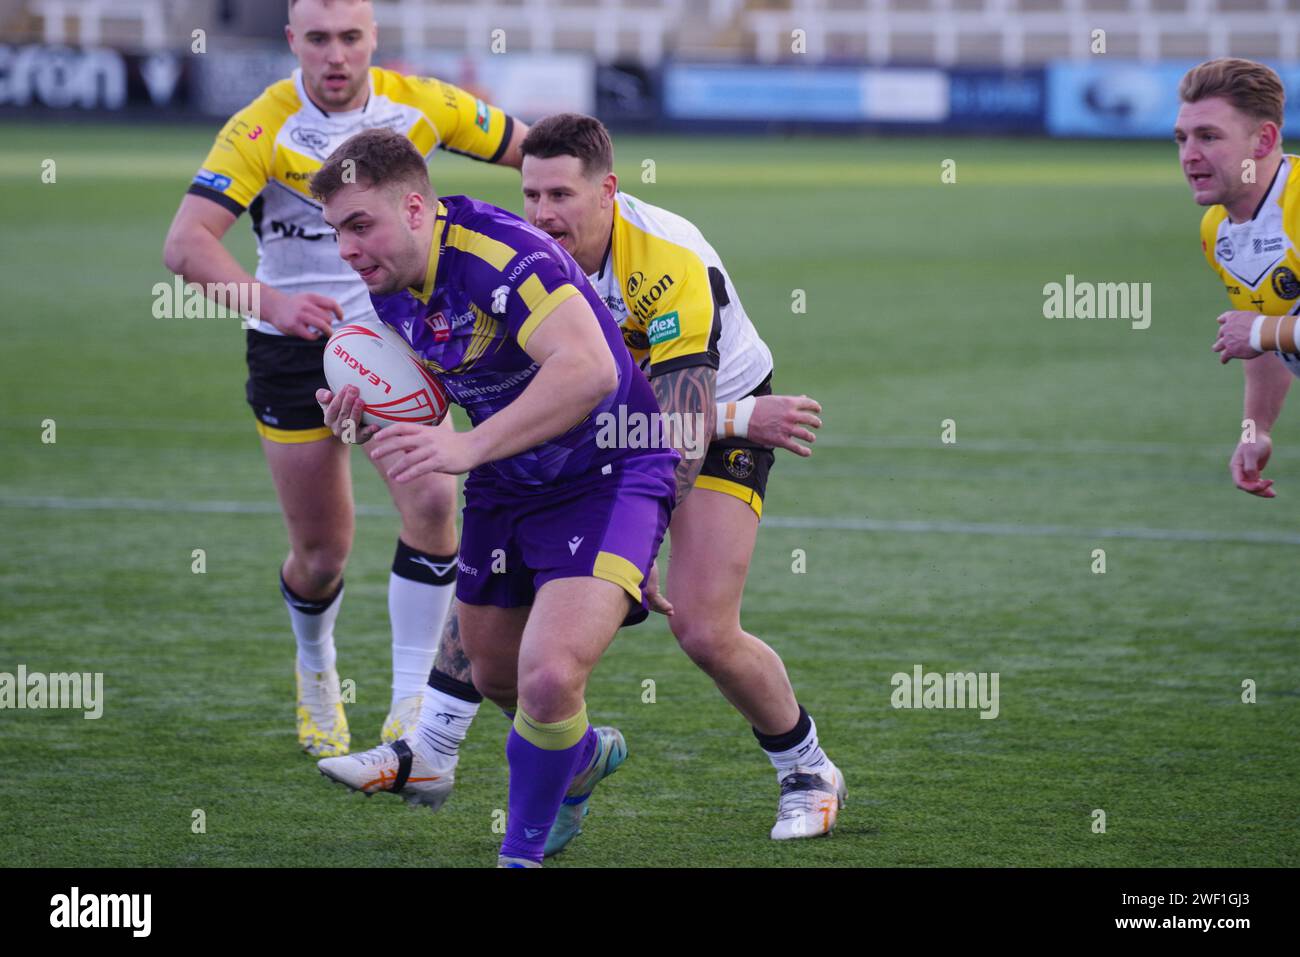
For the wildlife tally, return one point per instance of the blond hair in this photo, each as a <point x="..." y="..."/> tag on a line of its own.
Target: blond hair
<point x="1251" y="87"/>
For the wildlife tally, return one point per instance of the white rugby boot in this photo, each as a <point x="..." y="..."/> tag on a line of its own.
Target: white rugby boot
<point x="396" y="768"/>
<point x="810" y="803"/>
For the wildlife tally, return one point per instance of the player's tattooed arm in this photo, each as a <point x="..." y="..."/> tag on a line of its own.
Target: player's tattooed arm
<point x="686" y="398"/>
<point x="451" y="659"/>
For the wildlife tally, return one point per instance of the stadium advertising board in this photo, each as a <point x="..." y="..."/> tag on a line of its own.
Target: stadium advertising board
<point x="856" y="96"/>
<point x="1138" y="100"/>
<point x="45" y="77"/>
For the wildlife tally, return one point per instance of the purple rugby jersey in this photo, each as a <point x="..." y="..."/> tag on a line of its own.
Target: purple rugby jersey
<point x="492" y="280"/>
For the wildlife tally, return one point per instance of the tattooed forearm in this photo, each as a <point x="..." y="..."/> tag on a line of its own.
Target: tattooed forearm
<point x="451" y="659"/>
<point x="686" y="399"/>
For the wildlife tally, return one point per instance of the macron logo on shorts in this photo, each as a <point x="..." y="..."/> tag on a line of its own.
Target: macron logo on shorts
<point x="574" y="543"/>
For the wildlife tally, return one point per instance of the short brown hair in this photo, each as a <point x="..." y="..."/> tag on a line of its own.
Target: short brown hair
<point x="377" y="157"/>
<point x="1251" y="87"/>
<point x="572" y="134"/>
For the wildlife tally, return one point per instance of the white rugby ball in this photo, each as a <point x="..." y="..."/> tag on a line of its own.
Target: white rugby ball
<point x="394" y="384"/>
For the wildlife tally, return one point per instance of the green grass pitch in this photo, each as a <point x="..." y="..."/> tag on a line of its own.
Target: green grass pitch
<point x="1118" y="691"/>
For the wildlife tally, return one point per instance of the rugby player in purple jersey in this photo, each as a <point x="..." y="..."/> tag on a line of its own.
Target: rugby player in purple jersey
<point x="560" y="528"/>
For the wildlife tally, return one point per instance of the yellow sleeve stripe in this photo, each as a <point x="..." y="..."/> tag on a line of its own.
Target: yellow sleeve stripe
<point x="533" y="292"/>
<point x="540" y="308"/>
<point x="620" y="571"/>
<point x="492" y="251"/>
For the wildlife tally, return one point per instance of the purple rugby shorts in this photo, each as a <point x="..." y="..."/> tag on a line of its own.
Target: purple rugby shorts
<point x="607" y="525"/>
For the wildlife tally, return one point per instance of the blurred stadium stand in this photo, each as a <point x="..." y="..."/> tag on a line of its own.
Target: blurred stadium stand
<point x="1008" y="33"/>
<point x="964" y="66"/>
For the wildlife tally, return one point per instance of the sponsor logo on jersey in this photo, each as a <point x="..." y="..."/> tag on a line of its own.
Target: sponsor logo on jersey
<point x="646" y="298"/>
<point x="1223" y="249"/>
<point x="312" y="139"/>
<point x="664" y="328"/>
<point x="1272" y="244"/>
<point x="522" y="265"/>
<point x="739" y="462"/>
<point x="483" y="116"/>
<point x="1285" y="283"/>
<point x="212" y="180"/>
<point x="294" y="231"/>
<point x="440" y="326"/>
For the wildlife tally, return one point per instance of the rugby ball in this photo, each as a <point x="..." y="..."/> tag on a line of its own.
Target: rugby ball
<point x="394" y="384"/>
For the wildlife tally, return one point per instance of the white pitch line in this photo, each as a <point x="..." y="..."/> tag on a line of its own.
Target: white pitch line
<point x="830" y="524"/>
<point x="1065" y="447"/>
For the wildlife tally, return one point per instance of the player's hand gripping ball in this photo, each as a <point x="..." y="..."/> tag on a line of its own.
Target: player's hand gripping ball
<point x="392" y="383"/>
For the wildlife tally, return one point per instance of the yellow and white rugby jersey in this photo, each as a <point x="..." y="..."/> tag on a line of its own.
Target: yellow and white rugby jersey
<point x="268" y="152"/>
<point x="1258" y="260"/>
<point x="669" y="291"/>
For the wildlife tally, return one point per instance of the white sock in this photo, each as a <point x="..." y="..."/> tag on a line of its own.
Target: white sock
<point x="806" y="755"/>
<point x="313" y="626"/>
<point x="444" y="722"/>
<point x="420" y="590"/>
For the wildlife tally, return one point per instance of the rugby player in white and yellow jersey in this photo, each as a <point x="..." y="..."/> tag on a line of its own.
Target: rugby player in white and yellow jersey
<point x="1229" y="134"/>
<point x="261" y="163"/>
<point x="684" y="323"/>
<point x="685" y="326"/>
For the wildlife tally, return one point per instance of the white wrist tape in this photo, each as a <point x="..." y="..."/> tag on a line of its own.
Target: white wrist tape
<point x="1254" y="333"/>
<point x="733" y="419"/>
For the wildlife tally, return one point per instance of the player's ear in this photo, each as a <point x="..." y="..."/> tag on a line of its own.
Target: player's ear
<point x="607" y="190"/>
<point x="1269" y="137"/>
<point x="414" y="208"/>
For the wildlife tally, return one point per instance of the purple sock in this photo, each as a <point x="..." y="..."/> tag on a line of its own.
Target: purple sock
<point x="538" y="779"/>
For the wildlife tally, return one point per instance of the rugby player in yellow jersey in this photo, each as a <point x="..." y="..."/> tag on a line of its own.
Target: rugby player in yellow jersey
<point x="684" y="324"/>
<point x="1229" y="134"/>
<point x="262" y="162"/>
<point x="683" y="321"/>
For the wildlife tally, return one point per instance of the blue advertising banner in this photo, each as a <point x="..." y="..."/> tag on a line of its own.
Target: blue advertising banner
<point x="997" y="100"/>
<point x="1113" y="100"/>
<point x="824" y="94"/>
